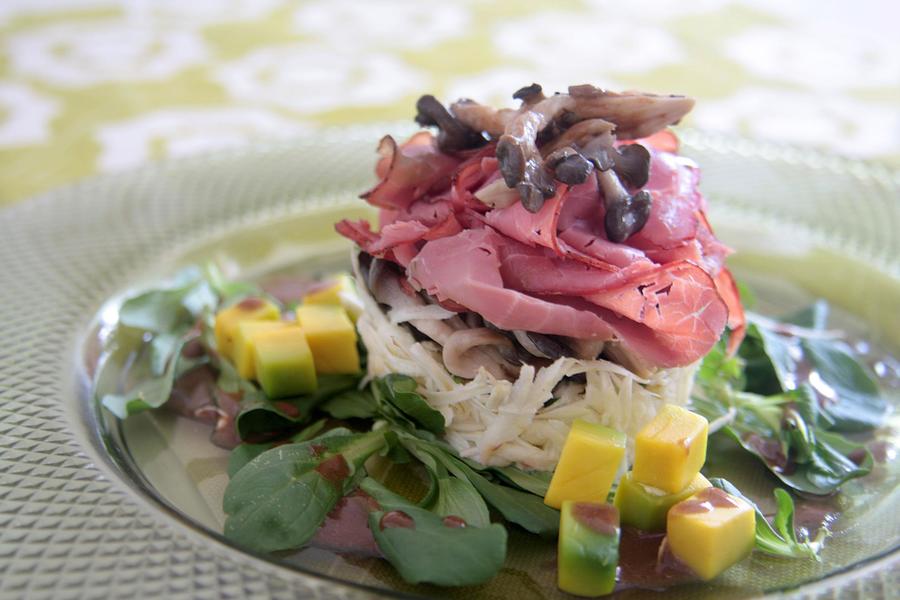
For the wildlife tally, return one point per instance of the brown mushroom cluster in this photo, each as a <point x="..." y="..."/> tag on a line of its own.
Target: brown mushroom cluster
<point x="565" y="138"/>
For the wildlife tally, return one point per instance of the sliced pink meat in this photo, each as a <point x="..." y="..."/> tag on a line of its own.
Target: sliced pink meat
<point x="664" y="293"/>
<point x="582" y="245"/>
<point x="399" y="232"/>
<point x="396" y="241"/>
<point x="737" y="321"/>
<point x="465" y="269"/>
<point x="676" y="199"/>
<point x="540" y="271"/>
<point x="410" y="171"/>
<point x="471" y="175"/>
<point x="533" y="229"/>
<point x="679" y="298"/>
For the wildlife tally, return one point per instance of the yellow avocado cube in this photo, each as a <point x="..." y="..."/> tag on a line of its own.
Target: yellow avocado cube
<point x="244" y="348"/>
<point x="646" y="507"/>
<point x="284" y="363"/>
<point x="670" y="450"/>
<point x="342" y="292"/>
<point x="331" y="336"/>
<point x="587" y="466"/>
<point x="252" y="309"/>
<point x="710" y="531"/>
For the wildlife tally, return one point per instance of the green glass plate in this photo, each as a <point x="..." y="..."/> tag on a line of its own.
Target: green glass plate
<point x="93" y="507"/>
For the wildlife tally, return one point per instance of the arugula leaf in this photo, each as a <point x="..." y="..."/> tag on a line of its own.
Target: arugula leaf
<point x="781" y="538"/>
<point x="399" y="402"/>
<point x="279" y="499"/>
<point x="429" y="551"/>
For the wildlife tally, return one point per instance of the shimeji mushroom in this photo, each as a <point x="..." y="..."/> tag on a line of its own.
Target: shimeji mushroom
<point x="564" y="137"/>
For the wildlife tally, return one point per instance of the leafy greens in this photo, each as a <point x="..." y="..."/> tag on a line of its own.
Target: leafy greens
<point x="788" y="397"/>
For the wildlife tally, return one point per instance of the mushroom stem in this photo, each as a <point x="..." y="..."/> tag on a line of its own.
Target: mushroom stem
<point x="479" y="117"/>
<point x="625" y="214"/>
<point x="612" y="189"/>
<point x="519" y="158"/>
<point x="453" y="135"/>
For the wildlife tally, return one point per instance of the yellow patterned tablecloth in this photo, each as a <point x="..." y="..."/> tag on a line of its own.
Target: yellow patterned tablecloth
<point x="90" y="86"/>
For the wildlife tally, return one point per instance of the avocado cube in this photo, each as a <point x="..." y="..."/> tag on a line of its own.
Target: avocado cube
<point x="249" y="309"/>
<point x="710" y="531"/>
<point x="645" y="507"/>
<point x="588" y="548"/>
<point x="284" y="362"/>
<point x="244" y="347"/>
<point x="670" y="449"/>
<point x="587" y="466"/>
<point x="331" y="336"/>
<point x="341" y="292"/>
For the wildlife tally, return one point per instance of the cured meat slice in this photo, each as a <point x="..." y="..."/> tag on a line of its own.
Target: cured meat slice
<point x="664" y="293"/>
<point x="410" y="171"/>
<point x="676" y="200"/>
<point x="531" y="228"/>
<point x="679" y="298"/>
<point x="465" y="269"/>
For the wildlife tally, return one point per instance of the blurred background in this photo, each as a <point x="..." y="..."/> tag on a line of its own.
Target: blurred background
<point x="92" y="86"/>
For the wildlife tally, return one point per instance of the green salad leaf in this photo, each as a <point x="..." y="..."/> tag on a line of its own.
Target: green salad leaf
<point x="788" y="397"/>
<point x="150" y="391"/>
<point x="143" y="357"/>
<point x="535" y="482"/>
<point x="280" y="498"/>
<point x="351" y="404"/>
<point x="426" y="548"/>
<point x="263" y="418"/>
<point x="522" y="508"/>
<point x="398" y="402"/>
<point x="459" y="498"/>
<point x="779" y="538"/>
<point x="244" y="453"/>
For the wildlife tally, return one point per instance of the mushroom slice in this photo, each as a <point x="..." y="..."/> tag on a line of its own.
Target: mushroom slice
<point x="569" y="166"/>
<point x="635" y="114"/>
<point x="530" y="94"/>
<point x="580" y="134"/>
<point x="520" y="160"/>
<point x="483" y="118"/>
<point x="542" y="346"/>
<point x="466" y="350"/>
<point x="453" y="135"/>
<point x="632" y="163"/>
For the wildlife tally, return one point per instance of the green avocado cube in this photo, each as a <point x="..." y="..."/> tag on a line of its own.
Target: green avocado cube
<point x="284" y="362"/>
<point x="588" y="552"/>
<point x="646" y="507"/>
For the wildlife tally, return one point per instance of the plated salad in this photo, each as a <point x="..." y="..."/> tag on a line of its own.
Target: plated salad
<point x="540" y="334"/>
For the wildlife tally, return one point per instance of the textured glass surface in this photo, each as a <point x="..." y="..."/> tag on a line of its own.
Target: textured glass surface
<point x="81" y="516"/>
